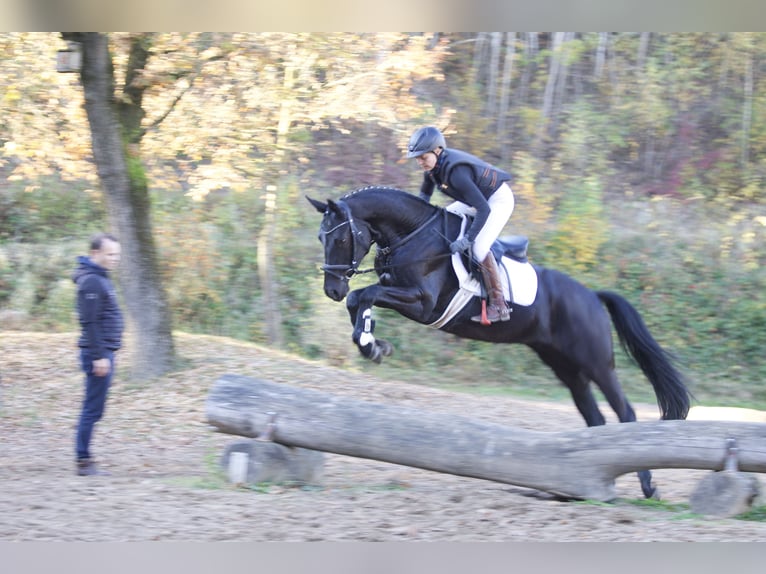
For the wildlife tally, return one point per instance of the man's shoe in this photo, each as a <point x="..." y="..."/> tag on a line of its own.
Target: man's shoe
<point x="87" y="467"/>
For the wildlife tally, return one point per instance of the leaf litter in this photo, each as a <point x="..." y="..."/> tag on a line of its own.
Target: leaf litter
<point x="165" y="482"/>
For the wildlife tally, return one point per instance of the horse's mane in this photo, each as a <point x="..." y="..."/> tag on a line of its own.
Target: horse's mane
<point x="376" y="188"/>
<point x="392" y="203"/>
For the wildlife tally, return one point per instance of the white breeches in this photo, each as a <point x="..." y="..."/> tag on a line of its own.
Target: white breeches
<point x="501" y="205"/>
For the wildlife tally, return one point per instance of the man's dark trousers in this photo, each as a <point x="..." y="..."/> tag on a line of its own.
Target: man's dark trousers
<point x="96" y="389"/>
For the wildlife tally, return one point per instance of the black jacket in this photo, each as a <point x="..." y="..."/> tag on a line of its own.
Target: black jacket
<point x="100" y="316"/>
<point x="467" y="179"/>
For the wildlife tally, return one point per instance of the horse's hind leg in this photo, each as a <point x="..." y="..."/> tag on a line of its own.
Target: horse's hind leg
<point x="578" y="383"/>
<point x="579" y="387"/>
<point x="615" y="396"/>
<point x="586" y="404"/>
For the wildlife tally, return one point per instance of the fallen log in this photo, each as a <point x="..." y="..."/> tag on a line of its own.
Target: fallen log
<point x="579" y="463"/>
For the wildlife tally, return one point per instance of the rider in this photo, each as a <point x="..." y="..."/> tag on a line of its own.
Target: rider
<point x="477" y="184"/>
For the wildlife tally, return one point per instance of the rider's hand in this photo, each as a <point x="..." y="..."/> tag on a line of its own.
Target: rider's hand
<point x="461" y="244"/>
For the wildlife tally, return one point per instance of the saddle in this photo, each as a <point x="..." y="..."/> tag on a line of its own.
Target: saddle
<point x="512" y="246"/>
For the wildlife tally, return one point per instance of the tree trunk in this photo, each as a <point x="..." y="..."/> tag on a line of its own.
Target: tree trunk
<point x="266" y="274"/>
<point x="563" y="76"/>
<point x="546" y="123"/>
<point x="127" y="198"/>
<point x="496" y="43"/>
<point x="747" y="112"/>
<point x="530" y="53"/>
<point x="480" y="50"/>
<point x="265" y="244"/>
<point x="603" y="38"/>
<point x="505" y="93"/>
<point x="643" y="49"/>
<point x="579" y="464"/>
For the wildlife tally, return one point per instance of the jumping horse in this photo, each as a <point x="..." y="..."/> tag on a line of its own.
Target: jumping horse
<point x="566" y="323"/>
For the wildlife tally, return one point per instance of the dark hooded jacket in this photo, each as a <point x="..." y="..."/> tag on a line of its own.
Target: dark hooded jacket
<point x="100" y="316"/>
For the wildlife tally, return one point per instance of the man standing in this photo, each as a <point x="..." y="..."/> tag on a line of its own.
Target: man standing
<point x="102" y="324"/>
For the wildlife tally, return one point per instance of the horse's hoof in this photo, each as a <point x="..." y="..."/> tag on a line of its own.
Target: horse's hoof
<point x="651" y="493"/>
<point x="386" y="348"/>
<point x="372" y="352"/>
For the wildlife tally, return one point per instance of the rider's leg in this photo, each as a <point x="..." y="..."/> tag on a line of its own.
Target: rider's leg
<point x="501" y="205"/>
<point x="497" y="309"/>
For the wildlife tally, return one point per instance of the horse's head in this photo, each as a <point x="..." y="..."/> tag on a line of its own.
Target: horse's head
<point x="345" y="241"/>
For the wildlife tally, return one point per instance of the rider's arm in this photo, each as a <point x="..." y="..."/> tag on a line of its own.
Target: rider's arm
<point x="465" y="190"/>
<point x="426" y="188"/>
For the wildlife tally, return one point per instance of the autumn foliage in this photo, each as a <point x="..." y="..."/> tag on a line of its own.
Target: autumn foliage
<point x="639" y="162"/>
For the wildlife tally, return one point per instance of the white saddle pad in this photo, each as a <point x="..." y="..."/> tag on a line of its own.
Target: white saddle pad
<point x="523" y="287"/>
<point x="521" y="291"/>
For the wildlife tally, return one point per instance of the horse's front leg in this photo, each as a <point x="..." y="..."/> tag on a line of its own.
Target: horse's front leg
<point x="407" y="301"/>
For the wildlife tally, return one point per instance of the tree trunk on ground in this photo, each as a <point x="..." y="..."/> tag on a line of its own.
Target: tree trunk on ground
<point x="127" y="198"/>
<point x="579" y="464"/>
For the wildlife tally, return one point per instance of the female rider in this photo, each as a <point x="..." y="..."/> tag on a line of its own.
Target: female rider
<point x="478" y="185"/>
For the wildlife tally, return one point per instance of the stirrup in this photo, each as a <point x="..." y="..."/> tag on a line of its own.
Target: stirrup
<point x="482" y="318"/>
<point x="503" y="314"/>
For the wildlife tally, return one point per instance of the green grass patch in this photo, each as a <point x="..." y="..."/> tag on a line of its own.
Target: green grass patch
<point x="658" y="504"/>
<point x="757" y="514"/>
<point x="683" y="510"/>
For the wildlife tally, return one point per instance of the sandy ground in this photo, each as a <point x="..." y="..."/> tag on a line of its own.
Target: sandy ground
<point x="166" y="484"/>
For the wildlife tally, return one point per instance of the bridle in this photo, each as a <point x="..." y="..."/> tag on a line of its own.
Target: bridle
<point x="346" y="272"/>
<point x="341" y="271"/>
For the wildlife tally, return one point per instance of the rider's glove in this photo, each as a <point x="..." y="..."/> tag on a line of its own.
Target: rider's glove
<point x="461" y="244"/>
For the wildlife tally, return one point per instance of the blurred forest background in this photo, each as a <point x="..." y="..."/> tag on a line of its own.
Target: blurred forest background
<point x="639" y="164"/>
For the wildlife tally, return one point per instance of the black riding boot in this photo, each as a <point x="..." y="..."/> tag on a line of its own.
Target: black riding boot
<point x="497" y="309"/>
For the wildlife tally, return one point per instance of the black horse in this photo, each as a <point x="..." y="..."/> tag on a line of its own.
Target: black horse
<point x="566" y="324"/>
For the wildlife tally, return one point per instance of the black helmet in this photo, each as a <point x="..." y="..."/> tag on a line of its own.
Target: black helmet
<point x="424" y="140"/>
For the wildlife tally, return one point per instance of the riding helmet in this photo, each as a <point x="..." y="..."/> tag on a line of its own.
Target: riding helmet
<point x="424" y="140"/>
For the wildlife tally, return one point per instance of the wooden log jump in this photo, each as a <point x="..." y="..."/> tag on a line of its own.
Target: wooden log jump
<point x="578" y="464"/>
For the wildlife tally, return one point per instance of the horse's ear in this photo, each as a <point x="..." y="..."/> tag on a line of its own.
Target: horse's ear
<point x="332" y="206"/>
<point x="318" y="205"/>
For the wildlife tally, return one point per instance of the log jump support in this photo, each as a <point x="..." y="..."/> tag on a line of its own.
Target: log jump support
<point x="727" y="492"/>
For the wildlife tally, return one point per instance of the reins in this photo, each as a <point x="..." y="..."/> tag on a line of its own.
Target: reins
<point x="348" y="271"/>
<point x="388" y="249"/>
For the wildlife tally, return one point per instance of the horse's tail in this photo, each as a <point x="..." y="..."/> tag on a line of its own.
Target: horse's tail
<point x="673" y="397"/>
